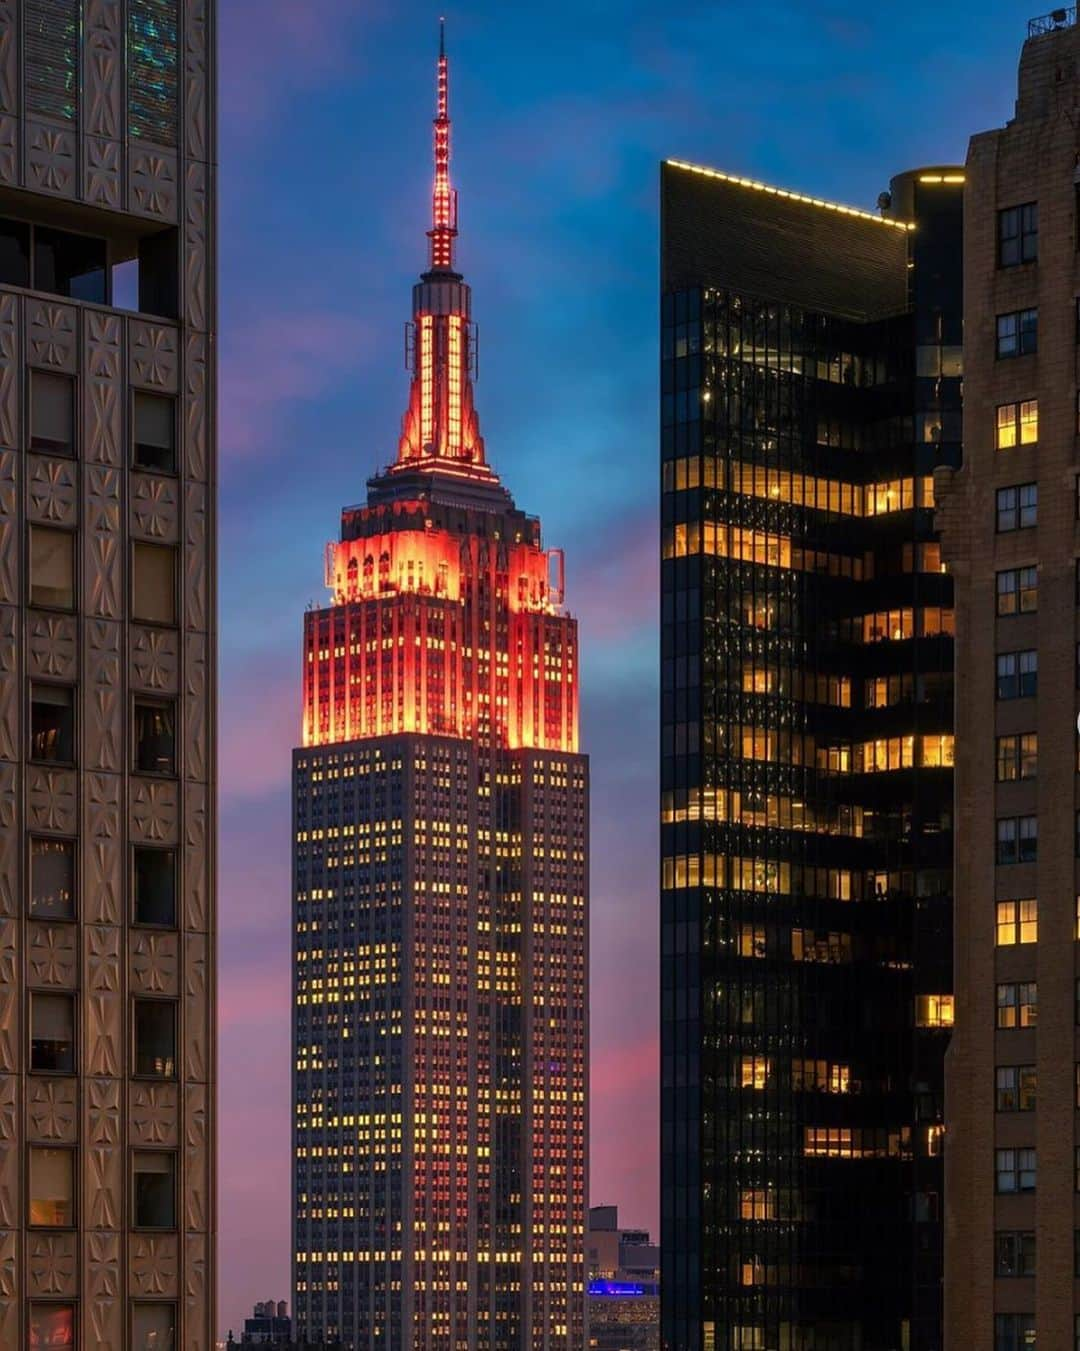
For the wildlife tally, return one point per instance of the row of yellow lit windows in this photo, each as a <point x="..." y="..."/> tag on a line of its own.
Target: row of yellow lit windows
<point x="804" y="490"/>
<point x="722" y="804"/>
<point x="755" y="546"/>
<point x="894" y="625"/>
<point x="755" y="1071"/>
<point x="868" y="757"/>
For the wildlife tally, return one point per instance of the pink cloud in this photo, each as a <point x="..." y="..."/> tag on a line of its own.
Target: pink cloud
<point x="624" y="1126"/>
<point x="262" y="699"/>
<point x="277" y="360"/>
<point x="612" y="582"/>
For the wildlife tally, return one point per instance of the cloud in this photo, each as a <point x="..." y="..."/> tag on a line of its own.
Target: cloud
<point x="278" y="360"/>
<point x="261" y="699"/>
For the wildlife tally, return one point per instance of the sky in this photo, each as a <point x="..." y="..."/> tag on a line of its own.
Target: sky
<point x="562" y="113"/>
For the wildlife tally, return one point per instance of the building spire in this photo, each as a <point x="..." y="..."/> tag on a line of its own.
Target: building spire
<point x="443" y="198"/>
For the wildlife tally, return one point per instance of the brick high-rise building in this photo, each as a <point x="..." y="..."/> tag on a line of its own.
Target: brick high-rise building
<point x="440" y="874"/>
<point x="1011" y="540"/>
<point x="811" y="370"/>
<point x="107" y="600"/>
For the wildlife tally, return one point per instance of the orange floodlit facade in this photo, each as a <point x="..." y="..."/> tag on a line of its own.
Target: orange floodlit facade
<point x="440" y="892"/>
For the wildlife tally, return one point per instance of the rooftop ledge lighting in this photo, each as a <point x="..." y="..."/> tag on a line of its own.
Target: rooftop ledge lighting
<point x="791" y="196"/>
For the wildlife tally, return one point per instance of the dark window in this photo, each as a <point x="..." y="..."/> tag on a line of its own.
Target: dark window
<point x="153" y="583"/>
<point x="1017" y="756"/>
<point x="1017" y="508"/>
<point x="155" y="1038"/>
<point x="52" y="1033"/>
<point x="1014" y="1332"/>
<point x="52" y="723"/>
<point x="1014" y="1088"/>
<point x="1018" y="234"/>
<point x="1018" y="674"/>
<point x="153" y="1327"/>
<point x="71" y="265"/>
<point x="14" y="253"/>
<point x="154" y="1190"/>
<point x="1015" y="1253"/>
<point x="1014" y="1170"/>
<point x="1018" y="591"/>
<point x="52" y="568"/>
<point x="1017" y="333"/>
<point x="155" y="432"/>
<point x="52" y="1326"/>
<point x="155" y="736"/>
<point x="52" y="878"/>
<point x="155" y="887"/>
<point x="52" y="58"/>
<point x="51" y="1199"/>
<point x="52" y="412"/>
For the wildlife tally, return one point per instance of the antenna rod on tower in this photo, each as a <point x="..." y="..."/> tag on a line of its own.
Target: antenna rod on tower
<point x="443" y="198"/>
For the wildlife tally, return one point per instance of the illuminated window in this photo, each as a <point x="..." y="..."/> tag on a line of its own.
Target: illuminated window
<point x="1017" y="333"/>
<point x="153" y="583"/>
<point x="52" y="878"/>
<point x="1017" y="1004"/>
<point x="934" y="1010"/>
<point x="51" y="1194"/>
<point x="153" y="1327"/>
<point x="52" y="1326"/>
<point x="1017" y="424"/>
<point x="1014" y="1170"/>
<point x="52" y="568"/>
<point x="1014" y="1253"/>
<point x="1016" y="756"/>
<point x="751" y="941"/>
<point x="1017" y="507"/>
<point x="1017" y="922"/>
<point x="52" y="413"/>
<point x="1018" y="674"/>
<point x="754" y="1071"/>
<point x="1017" y="591"/>
<point x="1018" y="234"/>
<point x="1014" y="1088"/>
<point x="936" y="750"/>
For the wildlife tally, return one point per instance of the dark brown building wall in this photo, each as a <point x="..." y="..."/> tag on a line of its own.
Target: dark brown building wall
<point x="1033" y="159"/>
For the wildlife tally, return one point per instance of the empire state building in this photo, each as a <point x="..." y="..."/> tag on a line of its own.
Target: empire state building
<point x="440" y="891"/>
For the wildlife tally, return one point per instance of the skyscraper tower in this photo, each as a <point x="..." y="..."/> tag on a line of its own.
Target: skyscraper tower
<point x="440" y="891"/>
<point x="107" y="658"/>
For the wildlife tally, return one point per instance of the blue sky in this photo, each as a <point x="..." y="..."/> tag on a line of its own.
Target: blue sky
<point x="561" y="115"/>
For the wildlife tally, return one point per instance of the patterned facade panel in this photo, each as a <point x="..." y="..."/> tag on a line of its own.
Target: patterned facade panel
<point x="154" y="1265"/>
<point x="10" y="1146"/>
<point x="196" y="559"/>
<point x="51" y="335"/>
<point x="196" y="411"/>
<point x="153" y="1113"/>
<point x="104" y="1312"/>
<point x="9" y="150"/>
<point x="9" y="1287"/>
<point x="155" y="659"/>
<point x="52" y="1265"/>
<point x="196" y="872"/>
<point x="152" y="183"/>
<point x="101" y="172"/>
<point x="153" y="815"/>
<point x="51" y="160"/>
<point x="154" y="962"/>
<point x="103" y="1018"/>
<point x="9" y="948"/>
<point x="52" y="1112"/>
<point x="154" y="356"/>
<point x="103" y="74"/>
<point x="10" y="537"/>
<point x="10" y="370"/>
<point x="197" y="1031"/>
<point x="101" y="1099"/>
<point x="155" y="508"/>
<point x="10" y="842"/>
<point x="102" y="861"/>
<point x="102" y="557"/>
<point x="9" y="56"/>
<point x="198" y="1155"/>
<point x="51" y="955"/>
<point x="196" y="708"/>
<point x="102" y="942"/>
<point x="195" y="247"/>
<point x="9" y="683"/>
<point x="9" y="1038"/>
<point x="196" y="81"/>
<point x="52" y="647"/>
<point x="51" y="490"/>
<point x="103" y="1186"/>
<point x="103" y="709"/>
<point x="197" y="1330"/>
<point x="103" y="415"/>
<point x="50" y="800"/>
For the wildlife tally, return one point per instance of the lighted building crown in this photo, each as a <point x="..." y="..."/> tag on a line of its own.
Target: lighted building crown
<point x="440" y="426"/>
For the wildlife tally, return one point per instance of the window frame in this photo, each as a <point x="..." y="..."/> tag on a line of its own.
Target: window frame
<point x="135" y="618"/>
<point x="1025" y="215"/>
<point x="72" y="1153"/>
<point x="34" y="684"/>
<point x="137" y="1002"/>
<point x="171" y="1155"/>
<point x="174" y="470"/>
<point x="71" y="450"/>
<point x="32" y="837"/>
<point x="35" y="603"/>
<point x="171" y="850"/>
<point x="148" y="701"/>
<point x="1021" y="337"/>
<point x="52" y="1072"/>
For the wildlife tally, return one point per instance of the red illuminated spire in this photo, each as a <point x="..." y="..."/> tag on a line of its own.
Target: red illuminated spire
<point x="443" y="197"/>
<point x="440" y="427"/>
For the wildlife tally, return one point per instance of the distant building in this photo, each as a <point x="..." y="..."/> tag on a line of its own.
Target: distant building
<point x="623" y="1268"/>
<point x="269" y="1324"/>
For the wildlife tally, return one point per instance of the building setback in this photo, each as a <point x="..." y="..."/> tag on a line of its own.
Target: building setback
<point x="107" y="658"/>
<point x="1009" y="534"/>
<point x="440" y="873"/>
<point x="811" y="369"/>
